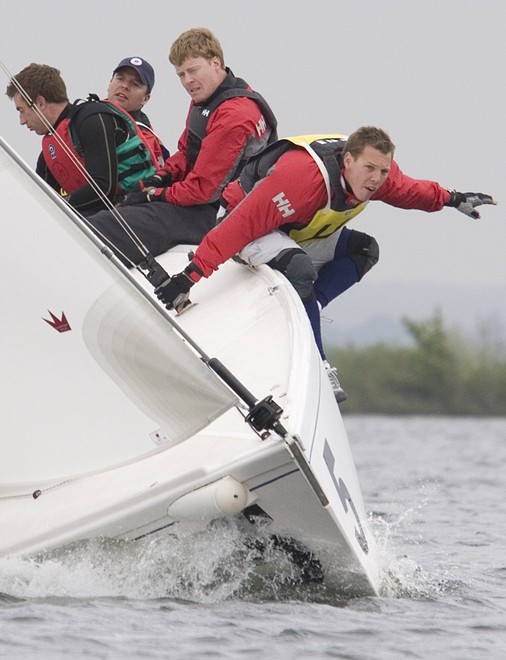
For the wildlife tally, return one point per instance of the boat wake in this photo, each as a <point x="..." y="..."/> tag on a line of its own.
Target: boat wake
<point x="219" y="563"/>
<point x="402" y="575"/>
<point x="224" y="561"/>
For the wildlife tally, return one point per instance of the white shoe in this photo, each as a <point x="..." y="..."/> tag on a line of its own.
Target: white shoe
<point x="339" y="393"/>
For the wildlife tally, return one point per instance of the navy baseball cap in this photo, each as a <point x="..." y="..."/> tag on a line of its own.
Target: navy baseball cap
<point x="143" y="68"/>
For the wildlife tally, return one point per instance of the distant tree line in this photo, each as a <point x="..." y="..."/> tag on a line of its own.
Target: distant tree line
<point x="441" y="373"/>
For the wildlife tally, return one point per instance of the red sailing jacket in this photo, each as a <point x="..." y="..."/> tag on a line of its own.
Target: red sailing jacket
<point x="236" y="129"/>
<point x="290" y="195"/>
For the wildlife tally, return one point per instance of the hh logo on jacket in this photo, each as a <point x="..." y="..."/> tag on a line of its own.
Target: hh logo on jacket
<point x="283" y="205"/>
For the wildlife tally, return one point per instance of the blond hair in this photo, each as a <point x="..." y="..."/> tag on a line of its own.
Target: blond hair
<point x="197" y="42"/>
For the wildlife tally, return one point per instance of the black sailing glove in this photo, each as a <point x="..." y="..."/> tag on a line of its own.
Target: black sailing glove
<point x="159" y="180"/>
<point x="143" y="197"/>
<point x="467" y="202"/>
<point x="174" y="292"/>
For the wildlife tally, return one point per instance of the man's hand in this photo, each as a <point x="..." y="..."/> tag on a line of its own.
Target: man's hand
<point x="158" y="180"/>
<point x="135" y="198"/>
<point x="143" y="197"/>
<point x="467" y="202"/>
<point x="174" y="292"/>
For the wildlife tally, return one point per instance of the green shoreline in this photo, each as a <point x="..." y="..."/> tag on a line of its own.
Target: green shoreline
<point x="442" y="373"/>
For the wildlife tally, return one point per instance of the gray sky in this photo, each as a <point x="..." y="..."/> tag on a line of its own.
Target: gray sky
<point x="431" y="72"/>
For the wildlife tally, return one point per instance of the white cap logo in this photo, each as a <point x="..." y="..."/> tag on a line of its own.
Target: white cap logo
<point x="136" y="61"/>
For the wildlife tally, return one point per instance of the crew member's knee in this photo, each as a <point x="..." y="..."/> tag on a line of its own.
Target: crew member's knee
<point x="363" y="250"/>
<point x="298" y="268"/>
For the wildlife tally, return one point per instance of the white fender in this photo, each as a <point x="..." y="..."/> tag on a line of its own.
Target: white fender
<point x="225" y="497"/>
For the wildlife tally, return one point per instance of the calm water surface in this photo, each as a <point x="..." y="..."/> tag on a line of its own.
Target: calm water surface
<point x="436" y="492"/>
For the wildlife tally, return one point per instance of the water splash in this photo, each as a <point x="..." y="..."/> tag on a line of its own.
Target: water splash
<point x="224" y="561"/>
<point x="401" y="549"/>
<point x="207" y="565"/>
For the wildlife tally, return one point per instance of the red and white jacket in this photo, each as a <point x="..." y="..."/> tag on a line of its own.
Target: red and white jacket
<point x="289" y="196"/>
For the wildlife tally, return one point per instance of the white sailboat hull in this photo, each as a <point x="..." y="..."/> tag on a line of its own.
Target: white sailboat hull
<point x="103" y="458"/>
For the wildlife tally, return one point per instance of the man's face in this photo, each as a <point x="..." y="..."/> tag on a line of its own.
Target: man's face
<point x="127" y="90"/>
<point x="200" y="77"/>
<point x="366" y="173"/>
<point x="28" y="116"/>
